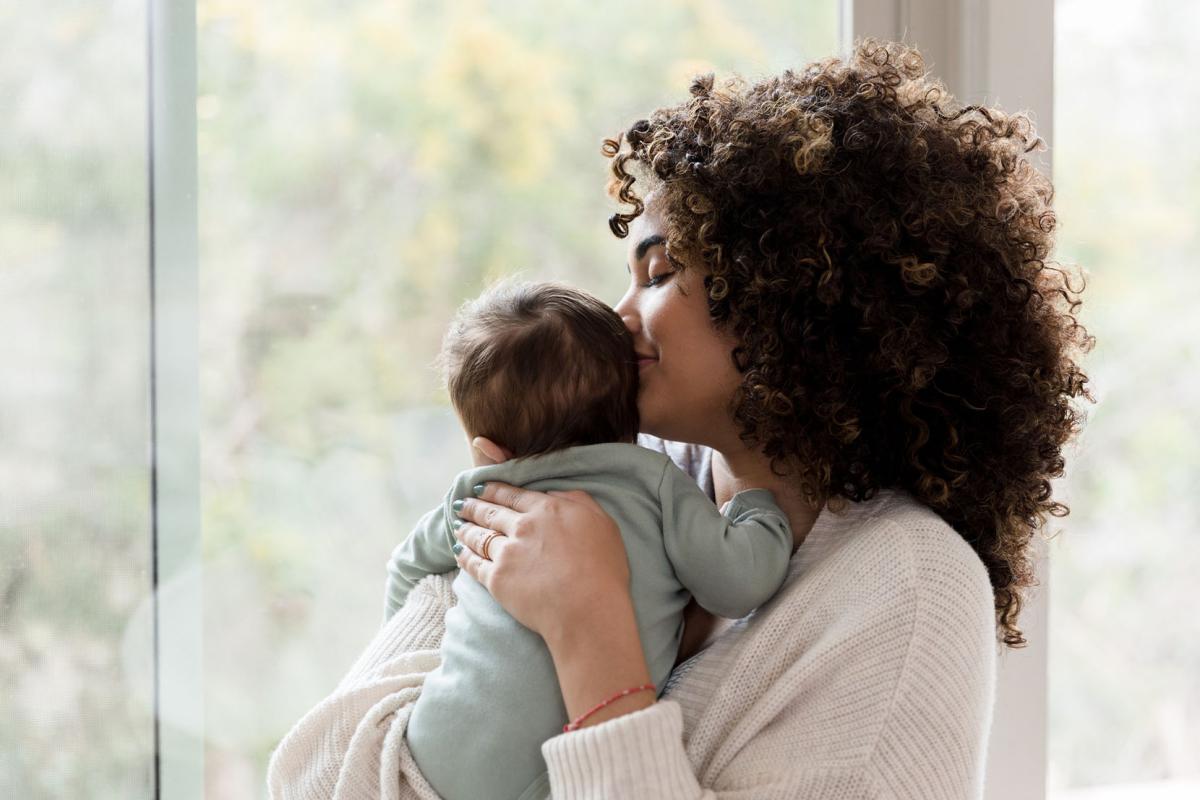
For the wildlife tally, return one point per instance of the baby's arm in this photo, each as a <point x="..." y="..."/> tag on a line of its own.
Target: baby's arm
<point x="733" y="562"/>
<point x="426" y="551"/>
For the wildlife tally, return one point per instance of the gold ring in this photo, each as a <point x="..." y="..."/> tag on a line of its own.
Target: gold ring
<point x="483" y="548"/>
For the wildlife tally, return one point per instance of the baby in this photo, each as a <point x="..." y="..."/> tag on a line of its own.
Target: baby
<point x="549" y="374"/>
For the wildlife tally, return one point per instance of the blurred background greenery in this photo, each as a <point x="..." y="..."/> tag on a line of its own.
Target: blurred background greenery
<point x="363" y="168"/>
<point x="75" y="544"/>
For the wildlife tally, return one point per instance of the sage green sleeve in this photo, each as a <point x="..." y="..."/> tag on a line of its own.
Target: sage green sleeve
<point x="731" y="562"/>
<point x="426" y="551"/>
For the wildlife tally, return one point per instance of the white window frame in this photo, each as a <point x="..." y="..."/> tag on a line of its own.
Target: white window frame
<point x="178" y="621"/>
<point x="996" y="52"/>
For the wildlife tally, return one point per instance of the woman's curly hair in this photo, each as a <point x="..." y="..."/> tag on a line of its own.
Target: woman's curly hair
<point x="881" y="256"/>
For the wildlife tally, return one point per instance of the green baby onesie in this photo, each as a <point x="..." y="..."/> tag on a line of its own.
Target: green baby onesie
<point x="478" y="725"/>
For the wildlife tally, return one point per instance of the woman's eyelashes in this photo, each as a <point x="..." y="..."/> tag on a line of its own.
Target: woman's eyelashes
<point x="655" y="280"/>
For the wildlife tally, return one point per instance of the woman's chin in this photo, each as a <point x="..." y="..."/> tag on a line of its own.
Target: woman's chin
<point x="682" y="420"/>
<point x="648" y="424"/>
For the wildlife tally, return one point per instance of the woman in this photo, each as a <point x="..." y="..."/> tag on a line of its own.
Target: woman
<point x="839" y="292"/>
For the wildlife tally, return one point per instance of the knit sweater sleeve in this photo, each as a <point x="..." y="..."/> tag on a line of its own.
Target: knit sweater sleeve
<point x="346" y="745"/>
<point x="640" y="756"/>
<point x="880" y="688"/>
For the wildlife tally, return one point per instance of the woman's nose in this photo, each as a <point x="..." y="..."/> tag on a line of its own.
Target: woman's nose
<point x="625" y="311"/>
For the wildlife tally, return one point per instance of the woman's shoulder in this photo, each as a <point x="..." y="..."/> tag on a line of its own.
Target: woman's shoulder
<point x="878" y="655"/>
<point x="890" y="568"/>
<point x="947" y="572"/>
<point x="894" y="539"/>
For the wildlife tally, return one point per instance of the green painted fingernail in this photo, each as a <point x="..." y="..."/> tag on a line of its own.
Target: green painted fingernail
<point x="457" y="505"/>
<point x="457" y="548"/>
<point x="477" y="489"/>
<point x="456" y="524"/>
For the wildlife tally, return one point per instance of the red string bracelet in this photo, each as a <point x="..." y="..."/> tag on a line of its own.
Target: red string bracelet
<point x="574" y="724"/>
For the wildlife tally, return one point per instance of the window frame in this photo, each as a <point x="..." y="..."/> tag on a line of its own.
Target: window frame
<point x="174" y="386"/>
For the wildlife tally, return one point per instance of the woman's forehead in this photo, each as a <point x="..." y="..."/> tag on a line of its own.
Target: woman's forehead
<point x="647" y="223"/>
<point x="645" y="231"/>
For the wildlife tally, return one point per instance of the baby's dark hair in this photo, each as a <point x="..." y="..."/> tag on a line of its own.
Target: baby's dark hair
<point x="538" y="367"/>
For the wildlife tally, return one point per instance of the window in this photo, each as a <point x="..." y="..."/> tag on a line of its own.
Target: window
<point x="360" y="170"/>
<point x="76" y="651"/>
<point x="230" y="241"/>
<point x="1125" y="646"/>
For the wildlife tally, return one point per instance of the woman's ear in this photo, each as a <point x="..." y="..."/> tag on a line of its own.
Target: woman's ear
<point x="494" y="452"/>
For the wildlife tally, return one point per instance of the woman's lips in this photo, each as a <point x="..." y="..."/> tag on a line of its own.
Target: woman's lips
<point x="645" y="362"/>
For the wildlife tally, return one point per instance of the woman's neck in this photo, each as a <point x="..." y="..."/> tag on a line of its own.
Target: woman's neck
<point x="736" y="469"/>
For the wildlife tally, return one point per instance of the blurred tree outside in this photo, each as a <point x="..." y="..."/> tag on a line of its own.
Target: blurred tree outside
<point x="75" y="542"/>
<point x="364" y="169"/>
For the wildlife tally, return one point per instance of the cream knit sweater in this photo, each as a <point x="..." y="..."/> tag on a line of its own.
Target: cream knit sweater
<point x="870" y="674"/>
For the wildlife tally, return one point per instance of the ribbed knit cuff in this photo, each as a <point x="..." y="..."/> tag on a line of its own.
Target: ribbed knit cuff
<point x="637" y="755"/>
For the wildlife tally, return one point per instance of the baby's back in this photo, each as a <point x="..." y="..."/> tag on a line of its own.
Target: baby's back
<point x="495" y="698"/>
<point x="478" y="725"/>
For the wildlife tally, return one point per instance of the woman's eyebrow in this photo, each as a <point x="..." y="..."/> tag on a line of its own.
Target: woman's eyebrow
<point x="647" y="243"/>
<point x="644" y="245"/>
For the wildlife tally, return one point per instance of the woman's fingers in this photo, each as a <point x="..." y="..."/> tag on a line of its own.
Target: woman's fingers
<point x="500" y="507"/>
<point x="476" y="566"/>
<point x="532" y="559"/>
<point x="473" y="537"/>
<point x="491" y="516"/>
<point x="468" y="558"/>
<point x="510" y="496"/>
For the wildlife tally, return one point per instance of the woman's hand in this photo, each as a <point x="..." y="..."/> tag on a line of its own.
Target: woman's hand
<point x="559" y="564"/>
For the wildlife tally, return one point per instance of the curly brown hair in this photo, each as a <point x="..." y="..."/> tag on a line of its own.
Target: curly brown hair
<point x="880" y="253"/>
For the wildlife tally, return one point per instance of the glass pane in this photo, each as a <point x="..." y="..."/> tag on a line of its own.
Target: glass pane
<point x="364" y="168"/>
<point x="1125" y="653"/>
<point x="76" y="657"/>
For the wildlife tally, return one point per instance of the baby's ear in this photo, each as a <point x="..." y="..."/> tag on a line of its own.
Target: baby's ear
<point x="493" y="451"/>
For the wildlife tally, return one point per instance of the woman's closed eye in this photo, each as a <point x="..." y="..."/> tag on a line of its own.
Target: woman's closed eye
<point x="655" y="280"/>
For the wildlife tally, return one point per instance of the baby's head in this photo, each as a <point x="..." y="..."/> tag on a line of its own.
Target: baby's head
<point x="538" y="367"/>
